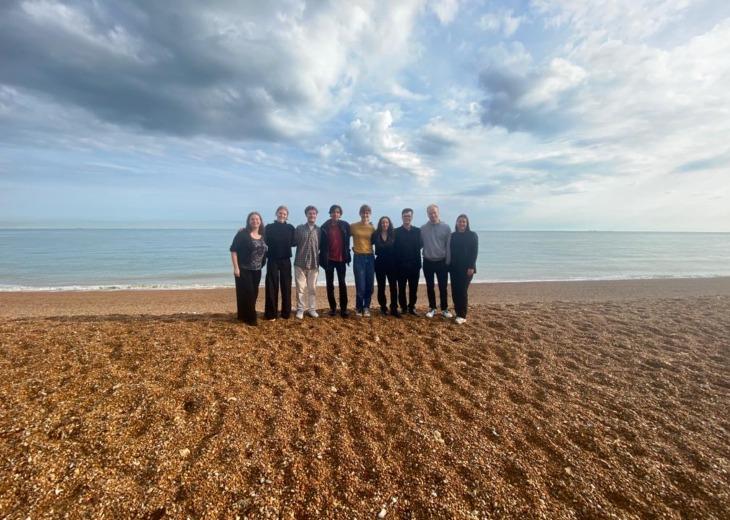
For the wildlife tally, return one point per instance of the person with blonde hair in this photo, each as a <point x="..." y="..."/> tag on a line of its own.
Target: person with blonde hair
<point x="279" y="239"/>
<point x="364" y="261"/>
<point x="436" y="236"/>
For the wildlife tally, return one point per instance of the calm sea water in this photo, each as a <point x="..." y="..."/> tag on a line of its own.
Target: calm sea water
<point x="34" y="259"/>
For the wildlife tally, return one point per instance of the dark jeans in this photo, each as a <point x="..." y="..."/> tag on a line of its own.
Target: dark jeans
<point x="459" y="291"/>
<point x="329" y="273"/>
<point x="409" y="275"/>
<point x="440" y="269"/>
<point x="247" y="291"/>
<point x="381" y="274"/>
<point x="278" y="275"/>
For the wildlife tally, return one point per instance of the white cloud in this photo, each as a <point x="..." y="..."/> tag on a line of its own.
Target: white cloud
<point x="445" y="10"/>
<point x="503" y="22"/>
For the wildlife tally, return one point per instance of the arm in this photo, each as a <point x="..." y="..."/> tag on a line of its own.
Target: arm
<point x="472" y="266"/>
<point x="448" y="246"/>
<point x="234" y="261"/>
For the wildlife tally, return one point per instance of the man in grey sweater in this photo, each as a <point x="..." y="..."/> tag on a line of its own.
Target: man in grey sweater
<point x="436" y="237"/>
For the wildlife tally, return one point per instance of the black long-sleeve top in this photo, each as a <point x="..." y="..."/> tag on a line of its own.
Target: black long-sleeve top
<point x="280" y="239"/>
<point x="464" y="250"/>
<point x="408" y="246"/>
<point x="384" y="252"/>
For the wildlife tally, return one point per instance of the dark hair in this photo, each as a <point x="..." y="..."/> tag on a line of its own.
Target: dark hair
<point x="248" y="223"/>
<point x="388" y="233"/>
<point x="334" y="207"/>
<point x="406" y="210"/>
<point x="467" y="222"/>
<point x="365" y="207"/>
<point x="306" y="210"/>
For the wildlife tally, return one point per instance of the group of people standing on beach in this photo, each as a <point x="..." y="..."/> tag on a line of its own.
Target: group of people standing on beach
<point x="390" y="255"/>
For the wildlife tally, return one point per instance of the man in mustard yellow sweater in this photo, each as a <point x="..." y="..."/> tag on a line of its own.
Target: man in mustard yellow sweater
<point x="364" y="262"/>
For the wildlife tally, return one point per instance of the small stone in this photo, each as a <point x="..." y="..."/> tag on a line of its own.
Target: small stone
<point x="117" y="386"/>
<point x="184" y="453"/>
<point x="568" y="471"/>
<point x="334" y="389"/>
<point x="382" y="513"/>
<point x="437" y="436"/>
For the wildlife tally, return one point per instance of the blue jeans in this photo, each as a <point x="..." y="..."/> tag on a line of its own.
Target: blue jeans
<point x="364" y="267"/>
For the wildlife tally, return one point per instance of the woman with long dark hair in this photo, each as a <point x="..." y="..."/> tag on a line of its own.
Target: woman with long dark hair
<point x="464" y="247"/>
<point x="385" y="266"/>
<point x="248" y="255"/>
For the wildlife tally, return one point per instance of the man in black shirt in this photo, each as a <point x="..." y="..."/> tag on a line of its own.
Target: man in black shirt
<point x="280" y="239"/>
<point x="408" y="246"/>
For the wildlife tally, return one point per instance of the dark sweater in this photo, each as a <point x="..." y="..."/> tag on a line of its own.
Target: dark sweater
<point x="464" y="249"/>
<point x="243" y="246"/>
<point x="280" y="239"/>
<point x="408" y="246"/>
<point x="384" y="252"/>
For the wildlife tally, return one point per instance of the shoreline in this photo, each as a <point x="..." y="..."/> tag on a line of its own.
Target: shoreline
<point x="24" y="304"/>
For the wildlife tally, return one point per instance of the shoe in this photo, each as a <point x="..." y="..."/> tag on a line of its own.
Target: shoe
<point x="412" y="312"/>
<point x="383" y="311"/>
<point x="366" y="313"/>
<point x="395" y="313"/>
<point x="312" y="313"/>
<point x="358" y="313"/>
<point x="332" y="312"/>
<point x="300" y="315"/>
<point x="431" y="313"/>
<point x="459" y="320"/>
<point x="270" y="318"/>
<point x="345" y="313"/>
<point x="446" y="314"/>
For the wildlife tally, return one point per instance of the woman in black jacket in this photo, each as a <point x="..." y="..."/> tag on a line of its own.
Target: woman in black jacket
<point x="384" y="242"/>
<point x="464" y="248"/>
<point x="248" y="255"/>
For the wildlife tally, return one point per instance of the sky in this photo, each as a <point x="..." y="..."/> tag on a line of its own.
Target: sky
<point x="526" y="115"/>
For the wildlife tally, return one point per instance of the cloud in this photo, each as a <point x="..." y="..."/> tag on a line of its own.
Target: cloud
<point x="445" y="10"/>
<point x="503" y="22"/>
<point x="252" y="70"/>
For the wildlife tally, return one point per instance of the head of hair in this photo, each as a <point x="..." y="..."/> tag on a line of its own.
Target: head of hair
<point x="406" y="210"/>
<point x="310" y="207"/>
<point x="431" y="206"/>
<point x="249" y="228"/>
<point x="389" y="232"/>
<point x="335" y="207"/>
<point x="365" y="208"/>
<point x="280" y="208"/>
<point x="463" y="215"/>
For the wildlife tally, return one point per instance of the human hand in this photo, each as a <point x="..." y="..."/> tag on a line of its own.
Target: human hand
<point x="470" y="272"/>
<point x="237" y="272"/>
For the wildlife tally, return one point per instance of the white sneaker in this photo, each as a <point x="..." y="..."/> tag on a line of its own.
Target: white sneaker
<point x="312" y="313"/>
<point x="459" y="320"/>
<point x="431" y="313"/>
<point x="366" y="313"/>
<point x="446" y="314"/>
<point x="300" y="314"/>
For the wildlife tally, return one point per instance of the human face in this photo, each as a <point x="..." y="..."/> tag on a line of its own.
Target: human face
<point x="433" y="214"/>
<point x="282" y="215"/>
<point x="335" y="215"/>
<point x="461" y="224"/>
<point x="407" y="219"/>
<point x="312" y="216"/>
<point x="385" y="224"/>
<point x="365" y="217"/>
<point x="254" y="223"/>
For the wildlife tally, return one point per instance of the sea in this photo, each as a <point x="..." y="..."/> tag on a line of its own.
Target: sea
<point x="77" y="259"/>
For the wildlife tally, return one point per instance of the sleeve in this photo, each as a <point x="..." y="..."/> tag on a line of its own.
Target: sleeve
<point x="235" y="244"/>
<point x="448" y="246"/>
<point x="474" y="252"/>
<point x="293" y="236"/>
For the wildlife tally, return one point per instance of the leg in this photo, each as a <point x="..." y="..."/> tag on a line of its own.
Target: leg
<point x="358" y="271"/>
<point x="428" y="272"/>
<point x="402" y="279"/>
<point x="341" y="267"/>
<point x="380" y="276"/>
<point x="369" y="265"/>
<point x="301" y="281"/>
<point x="413" y="277"/>
<point x="329" y="273"/>
<point x="466" y="295"/>
<point x="255" y="282"/>
<point x="240" y="297"/>
<point x="457" y="293"/>
<point x="285" y="282"/>
<point x="312" y="289"/>
<point x="271" y="290"/>
<point x="248" y="297"/>
<point x="393" y="286"/>
<point x="442" y="274"/>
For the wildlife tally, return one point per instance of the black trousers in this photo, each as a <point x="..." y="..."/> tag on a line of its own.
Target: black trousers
<point x="440" y="269"/>
<point x="383" y="273"/>
<point x="278" y="276"/>
<point x="329" y="273"/>
<point x="459" y="291"/>
<point x="247" y="291"/>
<point x="409" y="276"/>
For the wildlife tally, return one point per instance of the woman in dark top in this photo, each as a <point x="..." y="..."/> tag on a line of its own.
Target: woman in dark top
<point x="384" y="241"/>
<point x="248" y="255"/>
<point x="464" y="247"/>
<point x="279" y="239"/>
